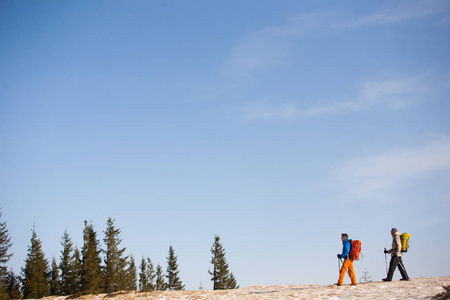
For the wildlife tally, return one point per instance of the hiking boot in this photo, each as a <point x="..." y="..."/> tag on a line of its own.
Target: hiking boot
<point x="403" y="279"/>
<point x="385" y="279"/>
<point x="338" y="284"/>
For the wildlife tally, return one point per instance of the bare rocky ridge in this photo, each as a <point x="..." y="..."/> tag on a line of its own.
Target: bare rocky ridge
<point x="418" y="288"/>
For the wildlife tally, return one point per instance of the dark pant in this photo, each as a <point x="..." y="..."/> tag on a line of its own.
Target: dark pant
<point x="397" y="261"/>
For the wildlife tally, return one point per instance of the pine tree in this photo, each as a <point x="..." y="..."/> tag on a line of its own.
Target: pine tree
<point x="5" y="243"/>
<point x="131" y="274"/>
<point x="366" y="277"/>
<point x="146" y="276"/>
<point x="160" y="284"/>
<point x="150" y="275"/>
<point x="232" y="284"/>
<point x="55" y="287"/>
<point x="122" y="284"/>
<point x="13" y="286"/>
<point x="67" y="267"/>
<point x="173" y="281"/>
<point x="143" y="278"/>
<point x="77" y="272"/>
<point x="35" y="275"/>
<point x="92" y="275"/>
<point x="221" y="276"/>
<point x="115" y="263"/>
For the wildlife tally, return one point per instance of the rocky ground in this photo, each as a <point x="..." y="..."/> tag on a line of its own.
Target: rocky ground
<point x="418" y="288"/>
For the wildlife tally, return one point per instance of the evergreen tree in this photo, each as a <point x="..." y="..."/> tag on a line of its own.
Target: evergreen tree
<point x="232" y="284"/>
<point x="143" y="278"/>
<point x="122" y="283"/>
<point x="67" y="267"/>
<point x="35" y="275"/>
<point x="13" y="286"/>
<point x="221" y="276"/>
<point x="131" y="274"/>
<point x="5" y="243"/>
<point x="150" y="275"/>
<point x="78" y="272"/>
<point x="366" y="277"/>
<point x="91" y="274"/>
<point x="115" y="263"/>
<point x="173" y="281"/>
<point x="146" y="276"/>
<point x="55" y="287"/>
<point x="160" y="284"/>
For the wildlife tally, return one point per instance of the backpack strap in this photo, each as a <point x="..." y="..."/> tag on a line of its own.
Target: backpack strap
<point x="351" y="246"/>
<point x="350" y="250"/>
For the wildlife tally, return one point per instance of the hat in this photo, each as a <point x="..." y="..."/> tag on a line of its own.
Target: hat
<point x="394" y="230"/>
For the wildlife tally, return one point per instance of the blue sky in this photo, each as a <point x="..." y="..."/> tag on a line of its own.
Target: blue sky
<point x="276" y="124"/>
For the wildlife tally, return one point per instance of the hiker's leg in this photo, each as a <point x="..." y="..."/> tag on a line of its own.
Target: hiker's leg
<point x="351" y="271"/>
<point x="392" y="266"/>
<point x="342" y="272"/>
<point x="402" y="269"/>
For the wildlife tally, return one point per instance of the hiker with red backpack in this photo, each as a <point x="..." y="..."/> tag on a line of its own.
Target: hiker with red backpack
<point x="396" y="257"/>
<point x="348" y="260"/>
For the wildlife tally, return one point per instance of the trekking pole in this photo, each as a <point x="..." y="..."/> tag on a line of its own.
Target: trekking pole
<point x="339" y="265"/>
<point x="385" y="260"/>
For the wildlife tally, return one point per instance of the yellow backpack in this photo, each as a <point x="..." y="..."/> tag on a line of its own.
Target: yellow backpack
<point x="405" y="241"/>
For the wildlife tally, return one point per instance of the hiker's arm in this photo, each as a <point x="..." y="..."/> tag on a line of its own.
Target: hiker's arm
<point x="345" y="250"/>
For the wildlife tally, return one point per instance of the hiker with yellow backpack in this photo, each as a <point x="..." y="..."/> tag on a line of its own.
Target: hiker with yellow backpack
<point x="396" y="254"/>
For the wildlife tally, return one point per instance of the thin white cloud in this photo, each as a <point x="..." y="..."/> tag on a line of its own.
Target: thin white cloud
<point x="273" y="45"/>
<point x="367" y="178"/>
<point x="261" y="48"/>
<point x="393" y="93"/>
<point x="401" y="13"/>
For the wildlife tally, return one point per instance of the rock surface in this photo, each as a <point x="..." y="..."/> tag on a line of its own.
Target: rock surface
<point x="418" y="288"/>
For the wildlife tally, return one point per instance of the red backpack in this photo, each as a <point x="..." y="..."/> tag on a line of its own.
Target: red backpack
<point x="355" y="249"/>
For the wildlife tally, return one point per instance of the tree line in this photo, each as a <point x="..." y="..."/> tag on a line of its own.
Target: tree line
<point x="95" y="269"/>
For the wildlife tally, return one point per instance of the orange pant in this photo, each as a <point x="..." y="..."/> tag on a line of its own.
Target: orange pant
<point x="348" y="264"/>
